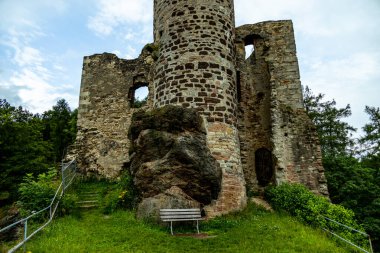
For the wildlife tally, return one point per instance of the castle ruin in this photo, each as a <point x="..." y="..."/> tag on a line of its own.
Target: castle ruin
<point x="252" y="110"/>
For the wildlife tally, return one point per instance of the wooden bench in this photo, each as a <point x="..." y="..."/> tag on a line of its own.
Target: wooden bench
<point x="193" y="214"/>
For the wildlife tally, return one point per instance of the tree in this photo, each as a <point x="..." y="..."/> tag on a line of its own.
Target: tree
<point x="352" y="183"/>
<point x="22" y="148"/>
<point x="60" y="128"/>
<point x="371" y="140"/>
<point x="31" y="143"/>
<point x="335" y="135"/>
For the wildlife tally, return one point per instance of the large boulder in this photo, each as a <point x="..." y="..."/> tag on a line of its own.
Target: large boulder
<point x="149" y="208"/>
<point x="169" y="150"/>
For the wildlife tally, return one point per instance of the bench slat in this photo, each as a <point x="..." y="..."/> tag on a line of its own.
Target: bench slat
<point x="180" y="213"/>
<point x="165" y="220"/>
<point x="181" y="217"/>
<point x="180" y="210"/>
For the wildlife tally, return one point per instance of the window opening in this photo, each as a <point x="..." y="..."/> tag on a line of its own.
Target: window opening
<point x="249" y="50"/>
<point x="249" y="42"/>
<point x="139" y="95"/>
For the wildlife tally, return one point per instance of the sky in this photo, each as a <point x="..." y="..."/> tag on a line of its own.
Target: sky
<point x="43" y="42"/>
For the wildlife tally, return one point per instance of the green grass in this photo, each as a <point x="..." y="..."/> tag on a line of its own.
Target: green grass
<point x="252" y="230"/>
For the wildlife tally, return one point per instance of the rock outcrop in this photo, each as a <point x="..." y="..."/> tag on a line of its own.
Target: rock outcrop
<point x="170" y="162"/>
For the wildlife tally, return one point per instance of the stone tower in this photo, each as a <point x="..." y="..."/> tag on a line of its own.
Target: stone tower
<point x="256" y="128"/>
<point x="196" y="68"/>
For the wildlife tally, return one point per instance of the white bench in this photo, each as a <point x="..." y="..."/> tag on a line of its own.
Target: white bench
<point x="193" y="214"/>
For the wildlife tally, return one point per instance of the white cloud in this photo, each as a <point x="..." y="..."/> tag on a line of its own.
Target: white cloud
<point x="349" y="80"/>
<point x="31" y="82"/>
<point x="114" y="13"/>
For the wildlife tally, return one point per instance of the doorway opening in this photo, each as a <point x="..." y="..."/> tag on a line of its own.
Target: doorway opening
<point x="264" y="166"/>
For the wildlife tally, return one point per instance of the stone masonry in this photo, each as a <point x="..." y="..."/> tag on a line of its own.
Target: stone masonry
<point x="256" y="127"/>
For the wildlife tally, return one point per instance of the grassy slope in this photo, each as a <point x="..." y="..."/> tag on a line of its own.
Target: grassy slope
<point x="252" y="230"/>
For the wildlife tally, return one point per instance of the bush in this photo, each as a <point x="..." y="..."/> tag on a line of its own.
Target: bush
<point x="69" y="204"/>
<point x="121" y="195"/>
<point x="128" y="194"/>
<point x="298" y="201"/>
<point x="36" y="193"/>
<point x="110" y="201"/>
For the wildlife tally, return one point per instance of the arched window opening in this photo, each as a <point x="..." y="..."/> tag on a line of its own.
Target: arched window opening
<point x="264" y="166"/>
<point x="138" y="95"/>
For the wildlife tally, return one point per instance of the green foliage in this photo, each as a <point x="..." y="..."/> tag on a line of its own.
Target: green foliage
<point x="22" y="148"/>
<point x="137" y="103"/>
<point x="356" y="187"/>
<point x="334" y="134"/>
<point x="128" y="196"/>
<point x="352" y="183"/>
<point x="60" y="128"/>
<point x="36" y="193"/>
<point x="31" y="143"/>
<point x="110" y="201"/>
<point x="68" y="204"/>
<point x="298" y="201"/>
<point x="372" y="131"/>
<point x="152" y="48"/>
<point x="120" y="195"/>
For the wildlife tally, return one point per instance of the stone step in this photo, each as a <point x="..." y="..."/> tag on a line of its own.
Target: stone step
<point x="88" y="206"/>
<point x="88" y="199"/>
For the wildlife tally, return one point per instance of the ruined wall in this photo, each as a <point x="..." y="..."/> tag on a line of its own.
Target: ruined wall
<point x="272" y="115"/>
<point x="104" y="113"/>
<point x="196" y="69"/>
<point x="251" y="109"/>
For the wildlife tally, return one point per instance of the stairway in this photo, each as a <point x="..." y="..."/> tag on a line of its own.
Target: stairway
<point x="88" y="199"/>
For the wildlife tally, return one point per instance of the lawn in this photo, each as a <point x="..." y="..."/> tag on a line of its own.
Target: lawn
<point x="252" y="230"/>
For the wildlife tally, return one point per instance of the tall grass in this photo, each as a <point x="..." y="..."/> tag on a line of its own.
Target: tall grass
<point x="252" y="230"/>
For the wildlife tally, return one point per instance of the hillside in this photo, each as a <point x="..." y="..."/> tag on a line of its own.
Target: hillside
<point x="252" y="230"/>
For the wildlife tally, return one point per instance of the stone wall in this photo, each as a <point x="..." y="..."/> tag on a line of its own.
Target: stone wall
<point x="196" y="69"/>
<point x="104" y="113"/>
<point x="271" y="108"/>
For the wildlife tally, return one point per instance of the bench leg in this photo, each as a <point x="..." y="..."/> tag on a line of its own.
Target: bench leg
<point x="171" y="227"/>
<point x="197" y="227"/>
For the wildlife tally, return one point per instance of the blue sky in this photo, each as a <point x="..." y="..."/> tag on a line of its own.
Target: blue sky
<point x="42" y="44"/>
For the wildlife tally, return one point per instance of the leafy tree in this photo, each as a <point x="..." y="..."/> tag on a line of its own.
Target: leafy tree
<point x="22" y="148"/>
<point x="335" y="135"/>
<point x="371" y="139"/>
<point x="31" y="143"/>
<point x="60" y="128"/>
<point x="352" y="183"/>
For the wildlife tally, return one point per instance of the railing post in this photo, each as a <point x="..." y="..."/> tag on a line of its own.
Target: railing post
<point x="25" y="233"/>
<point x="63" y="178"/>
<point x="370" y="243"/>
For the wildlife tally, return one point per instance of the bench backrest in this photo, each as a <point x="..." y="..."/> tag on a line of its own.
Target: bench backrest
<point x="180" y="214"/>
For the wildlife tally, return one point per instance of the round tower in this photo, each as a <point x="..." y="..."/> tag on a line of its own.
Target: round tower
<point x="196" y="68"/>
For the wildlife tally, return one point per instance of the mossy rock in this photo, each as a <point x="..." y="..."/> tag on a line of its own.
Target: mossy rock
<point x="172" y="119"/>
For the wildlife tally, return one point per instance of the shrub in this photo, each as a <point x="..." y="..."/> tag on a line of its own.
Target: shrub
<point x="298" y="201"/>
<point x="69" y="204"/>
<point x="120" y="195"/>
<point x="110" y="201"/>
<point x="128" y="194"/>
<point x="36" y="193"/>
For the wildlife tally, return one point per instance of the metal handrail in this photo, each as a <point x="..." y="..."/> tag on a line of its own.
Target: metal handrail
<point x="346" y="240"/>
<point x="52" y="208"/>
